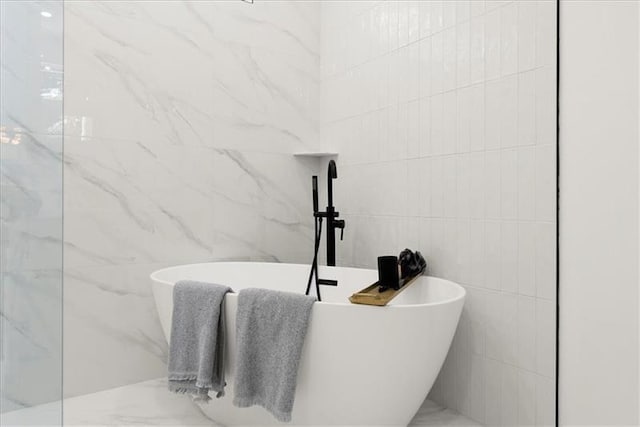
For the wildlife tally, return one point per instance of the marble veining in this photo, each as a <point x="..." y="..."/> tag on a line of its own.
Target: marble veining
<point x="150" y="404"/>
<point x="269" y="80"/>
<point x="181" y="118"/>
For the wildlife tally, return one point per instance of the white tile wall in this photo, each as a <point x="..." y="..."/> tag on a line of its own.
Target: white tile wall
<point x="444" y="115"/>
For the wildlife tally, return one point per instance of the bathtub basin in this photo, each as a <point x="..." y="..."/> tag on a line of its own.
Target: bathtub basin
<point x="361" y="365"/>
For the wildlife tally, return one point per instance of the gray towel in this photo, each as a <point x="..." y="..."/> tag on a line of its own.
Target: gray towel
<point x="196" y="349"/>
<point x="271" y="327"/>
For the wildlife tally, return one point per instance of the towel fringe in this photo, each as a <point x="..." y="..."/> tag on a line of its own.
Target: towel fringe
<point x="187" y="385"/>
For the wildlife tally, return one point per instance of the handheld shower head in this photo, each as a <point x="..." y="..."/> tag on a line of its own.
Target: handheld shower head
<point x="314" y="186"/>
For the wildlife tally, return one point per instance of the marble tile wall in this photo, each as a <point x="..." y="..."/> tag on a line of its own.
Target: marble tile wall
<point x="31" y="205"/>
<point x="181" y="118"/>
<point x="443" y="113"/>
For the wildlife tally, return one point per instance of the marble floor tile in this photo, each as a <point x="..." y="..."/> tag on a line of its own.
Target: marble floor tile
<point x="150" y="404"/>
<point x="7" y="405"/>
<point x="434" y="415"/>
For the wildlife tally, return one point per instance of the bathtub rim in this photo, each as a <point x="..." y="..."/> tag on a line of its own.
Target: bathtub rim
<point x="459" y="290"/>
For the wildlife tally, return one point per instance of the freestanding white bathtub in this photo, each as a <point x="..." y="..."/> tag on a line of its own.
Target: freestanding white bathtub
<point x="361" y="365"/>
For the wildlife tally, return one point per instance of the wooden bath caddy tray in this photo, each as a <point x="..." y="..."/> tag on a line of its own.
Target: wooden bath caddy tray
<point x="371" y="296"/>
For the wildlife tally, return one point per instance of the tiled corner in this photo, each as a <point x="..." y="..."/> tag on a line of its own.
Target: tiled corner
<point x="466" y="97"/>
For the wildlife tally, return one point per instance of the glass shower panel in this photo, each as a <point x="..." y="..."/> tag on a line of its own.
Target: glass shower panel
<point x="31" y="118"/>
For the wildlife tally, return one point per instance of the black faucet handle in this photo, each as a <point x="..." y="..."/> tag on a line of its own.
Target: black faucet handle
<point x="339" y="223"/>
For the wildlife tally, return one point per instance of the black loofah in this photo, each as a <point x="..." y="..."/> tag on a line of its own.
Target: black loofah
<point x="411" y="263"/>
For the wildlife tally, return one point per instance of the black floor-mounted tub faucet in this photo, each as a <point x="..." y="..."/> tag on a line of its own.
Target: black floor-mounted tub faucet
<point x="332" y="224"/>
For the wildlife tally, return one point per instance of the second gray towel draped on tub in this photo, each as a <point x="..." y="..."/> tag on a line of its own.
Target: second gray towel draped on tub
<point x="196" y="347"/>
<point x="271" y="327"/>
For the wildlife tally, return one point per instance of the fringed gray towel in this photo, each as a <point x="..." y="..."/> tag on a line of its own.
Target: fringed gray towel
<point x="271" y="327"/>
<point x="196" y="348"/>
